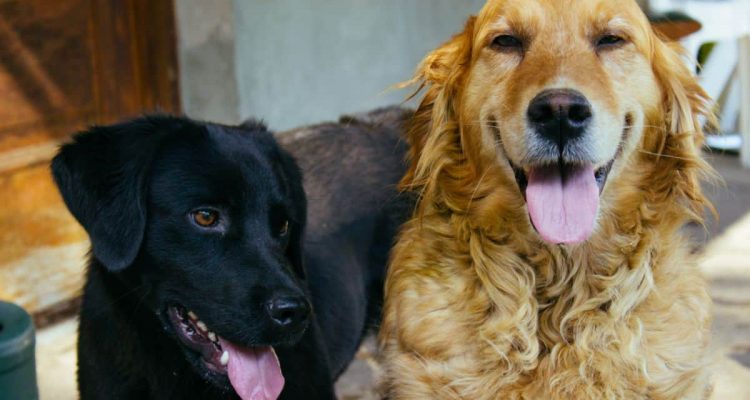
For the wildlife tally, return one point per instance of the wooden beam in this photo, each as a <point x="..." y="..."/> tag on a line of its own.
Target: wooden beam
<point x="27" y="156"/>
<point x="155" y="38"/>
<point x="744" y="72"/>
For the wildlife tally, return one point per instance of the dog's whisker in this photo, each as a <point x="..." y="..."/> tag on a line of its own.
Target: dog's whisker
<point x="476" y="188"/>
<point x="663" y="155"/>
<point x="139" y="302"/>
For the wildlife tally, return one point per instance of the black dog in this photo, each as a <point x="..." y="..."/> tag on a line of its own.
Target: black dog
<point x="198" y="277"/>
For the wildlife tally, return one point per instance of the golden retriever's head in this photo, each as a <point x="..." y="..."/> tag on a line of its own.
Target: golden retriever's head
<point x="552" y="103"/>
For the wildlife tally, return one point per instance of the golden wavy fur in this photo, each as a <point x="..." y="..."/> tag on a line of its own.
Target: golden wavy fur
<point x="478" y="306"/>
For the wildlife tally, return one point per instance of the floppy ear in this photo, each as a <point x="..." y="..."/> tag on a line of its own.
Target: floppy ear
<point x="686" y="107"/>
<point x="435" y="123"/>
<point x="685" y="102"/>
<point x="102" y="176"/>
<point x="292" y="177"/>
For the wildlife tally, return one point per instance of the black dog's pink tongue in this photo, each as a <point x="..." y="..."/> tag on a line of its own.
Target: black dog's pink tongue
<point x="255" y="373"/>
<point x="563" y="202"/>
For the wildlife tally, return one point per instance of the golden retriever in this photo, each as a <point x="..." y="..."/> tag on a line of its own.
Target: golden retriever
<point x="557" y="156"/>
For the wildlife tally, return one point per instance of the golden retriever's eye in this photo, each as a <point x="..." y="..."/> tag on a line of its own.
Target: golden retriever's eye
<point x="205" y="217"/>
<point x="507" y="43"/>
<point x="609" y="41"/>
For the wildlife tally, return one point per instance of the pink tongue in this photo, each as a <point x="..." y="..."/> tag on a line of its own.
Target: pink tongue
<point x="255" y="373"/>
<point x="563" y="209"/>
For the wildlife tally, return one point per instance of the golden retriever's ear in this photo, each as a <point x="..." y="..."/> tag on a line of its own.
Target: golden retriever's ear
<point x="441" y="74"/>
<point x="684" y="99"/>
<point x="686" y="107"/>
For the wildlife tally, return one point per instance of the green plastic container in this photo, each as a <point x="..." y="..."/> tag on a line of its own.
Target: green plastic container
<point x="17" y="364"/>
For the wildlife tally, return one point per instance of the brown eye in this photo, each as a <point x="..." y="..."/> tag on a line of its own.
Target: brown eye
<point x="608" y="41"/>
<point x="206" y="218"/>
<point x="507" y="43"/>
<point x="284" y="228"/>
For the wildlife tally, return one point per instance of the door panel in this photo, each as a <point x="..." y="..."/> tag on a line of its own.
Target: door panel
<point x="65" y="65"/>
<point x="46" y="71"/>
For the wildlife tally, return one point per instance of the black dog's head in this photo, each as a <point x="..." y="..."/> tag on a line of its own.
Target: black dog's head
<point x="206" y="221"/>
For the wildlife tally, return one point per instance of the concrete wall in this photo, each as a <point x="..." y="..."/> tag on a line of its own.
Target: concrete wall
<point x="208" y="83"/>
<point x="294" y="62"/>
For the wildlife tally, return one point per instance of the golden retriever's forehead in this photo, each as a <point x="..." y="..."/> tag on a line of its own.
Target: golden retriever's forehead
<point x="585" y="17"/>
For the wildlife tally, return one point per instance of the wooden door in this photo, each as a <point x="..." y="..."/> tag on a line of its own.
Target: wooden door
<point x="65" y="65"/>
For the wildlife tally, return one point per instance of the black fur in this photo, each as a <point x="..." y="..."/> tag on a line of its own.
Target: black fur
<point x="133" y="186"/>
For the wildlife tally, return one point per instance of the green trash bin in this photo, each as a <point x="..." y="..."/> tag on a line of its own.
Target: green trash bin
<point x="17" y="364"/>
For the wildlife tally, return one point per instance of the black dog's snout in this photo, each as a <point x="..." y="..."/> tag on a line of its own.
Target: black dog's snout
<point x="288" y="312"/>
<point x="559" y="115"/>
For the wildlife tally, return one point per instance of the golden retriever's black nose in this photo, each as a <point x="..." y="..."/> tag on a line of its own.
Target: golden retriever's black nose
<point x="559" y="115"/>
<point x="288" y="312"/>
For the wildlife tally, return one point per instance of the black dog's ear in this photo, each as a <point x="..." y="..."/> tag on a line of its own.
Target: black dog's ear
<point x="102" y="176"/>
<point x="292" y="177"/>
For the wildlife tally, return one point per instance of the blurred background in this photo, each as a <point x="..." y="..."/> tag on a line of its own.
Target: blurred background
<point x="68" y="64"/>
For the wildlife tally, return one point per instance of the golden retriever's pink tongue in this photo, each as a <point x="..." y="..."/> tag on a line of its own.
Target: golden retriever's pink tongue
<point x="563" y="202"/>
<point x="255" y="373"/>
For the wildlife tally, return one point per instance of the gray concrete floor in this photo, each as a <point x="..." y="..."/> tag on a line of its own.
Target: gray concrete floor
<point x="730" y="195"/>
<point x="725" y="261"/>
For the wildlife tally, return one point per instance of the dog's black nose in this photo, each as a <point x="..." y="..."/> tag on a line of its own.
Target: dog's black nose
<point x="288" y="312"/>
<point x="559" y="115"/>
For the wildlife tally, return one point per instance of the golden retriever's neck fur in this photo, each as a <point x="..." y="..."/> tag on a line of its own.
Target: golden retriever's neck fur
<point x="538" y="310"/>
<point x="554" y="322"/>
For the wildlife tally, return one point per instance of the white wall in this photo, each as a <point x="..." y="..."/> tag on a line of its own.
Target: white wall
<point x="303" y="61"/>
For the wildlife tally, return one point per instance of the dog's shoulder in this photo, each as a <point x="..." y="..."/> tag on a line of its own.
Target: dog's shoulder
<point x="380" y="125"/>
<point x="393" y="117"/>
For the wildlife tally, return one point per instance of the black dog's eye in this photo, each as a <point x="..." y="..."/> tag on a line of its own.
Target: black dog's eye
<point x="279" y="221"/>
<point x="206" y="217"/>
<point x="507" y="43"/>
<point x="608" y="41"/>
<point x="284" y="228"/>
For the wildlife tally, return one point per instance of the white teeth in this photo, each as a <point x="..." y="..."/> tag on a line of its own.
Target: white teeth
<point x="273" y="351"/>
<point x="224" y="358"/>
<point x="201" y="326"/>
<point x="212" y="336"/>
<point x="192" y="315"/>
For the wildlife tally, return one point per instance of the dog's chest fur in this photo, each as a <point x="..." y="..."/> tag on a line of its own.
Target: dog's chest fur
<point x="489" y="318"/>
